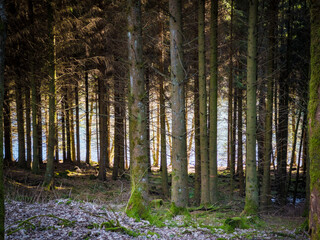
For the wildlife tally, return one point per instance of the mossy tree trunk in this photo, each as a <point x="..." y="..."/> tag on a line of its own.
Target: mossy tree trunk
<point x="138" y="202"/>
<point x="205" y="194"/>
<point x="3" y="23"/>
<point x="314" y="122"/>
<point x="266" y="185"/>
<point x="48" y="178"/>
<point x="252" y="199"/>
<point x="179" y="194"/>
<point x="213" y="105"/>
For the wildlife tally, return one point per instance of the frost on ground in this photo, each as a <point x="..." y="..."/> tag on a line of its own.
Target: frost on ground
<point x="66" y="219"/>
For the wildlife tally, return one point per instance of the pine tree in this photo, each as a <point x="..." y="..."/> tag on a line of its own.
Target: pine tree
<point x="252" y="200"/>
<point x="314" y="121"/>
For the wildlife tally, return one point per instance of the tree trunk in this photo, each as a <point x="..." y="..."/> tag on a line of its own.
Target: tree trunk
<point x="3" y="22"/>
<point x="266" y="185"/>
<point x="197" y="174"/>
<point x="147" y="104"/>
<point x="293" y="153"/>
<point x="230" y="93"/>
<point x="180" y="194"/>
<point x="28" y="126"/>
<point x="68" y="128"/>
<point x="138" y="203"/>
<point x="252" y="199"/>
<point x="72" y="141"/>
<point x="39" y="123"/>
<point x="20" y="123"/>
<point x="76" y="92"/>
<point x="48" y="178"/>
<point x="284" y="114"/>
<point x="103" y="128"/>
<point x="63" y="126"/>
<point x="163" y="155"/>
<point x="213" y="105"/>
<point x="240" y="143"/>
<point x="86" y="83"/>
<point x="314" y="122"/>
<point x="205" y="194"/>
<point x="8" y="159"/>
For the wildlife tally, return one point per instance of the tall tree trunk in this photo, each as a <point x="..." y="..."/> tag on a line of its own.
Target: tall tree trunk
<point x="205" y="194"/>
<point x="138" y="202"/>
<point x="103" y="128"/>
<point x="284" y="114"/>
<point x="252" y="199"/>
<point x="20" y="122"/>
<point x="230" y="93"/>
<point x="39" y="115"/>
<point x="76" y="92"/>
<point x="303" y="135"/>
<point x="3" y="22"/>
<point x="28" y="125"/>
<point x="68" y="129"/>
<point x="86" y="83"/>
<point x="240" y="143"/>
<point x="266" y="185"/>
<point x="73" y="147"/>
<point x="293" y="153"/>
<point x="180" y="194"/>
<point x="48" y="178"/>
<point x="118" y="129"/>
<point x="213" y="105"/>
<point x="63" y="125"/>
<point x="8" y="159"/>
<point x="197" y="175"/>
<point x="314" y="122"/>
<point x="147" y="104"/>
<point x="163" y="137"/>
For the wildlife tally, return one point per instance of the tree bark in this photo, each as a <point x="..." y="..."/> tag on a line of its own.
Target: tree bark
<point x="205" y="194"/>
<point x="103" y="128"/>
<point x="28" y="126"/>
<point x="252" y="199"/>
<point x="179" y="196"/>
<point x="138" y="203"/>
<point x="266" y="185"/>
<point x="48" y="178"/>
<point x="213" y="105"/>
<point x="86" y="83"/>
<point x="20" y="123"/>
<point x="314" y="122"/>
<point x="8" y="159"/>
<point x="3" y="23"/>
<point x="76" y="92"/>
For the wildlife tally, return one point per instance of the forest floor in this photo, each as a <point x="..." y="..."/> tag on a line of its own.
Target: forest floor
<point x="82" y="207"/>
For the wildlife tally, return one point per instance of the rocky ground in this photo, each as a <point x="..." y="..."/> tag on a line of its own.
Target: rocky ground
<point x="69" y="219"/>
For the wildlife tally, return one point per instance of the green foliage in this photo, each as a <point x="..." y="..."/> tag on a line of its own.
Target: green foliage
<point x="230" y="224"/>
<point x="174" y="210"/>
